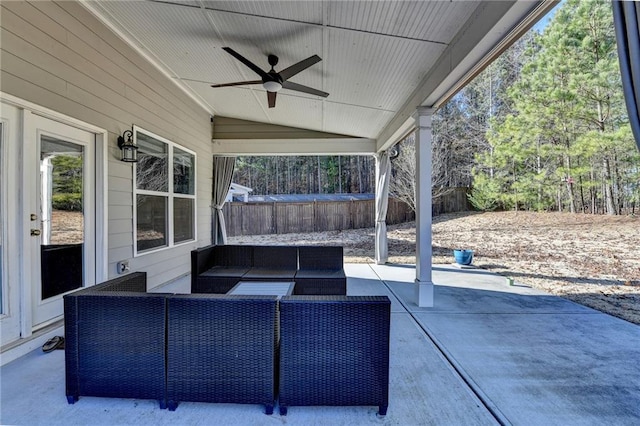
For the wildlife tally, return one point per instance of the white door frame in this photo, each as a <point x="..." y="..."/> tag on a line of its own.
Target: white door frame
<point x="10" y="312"/>
<point x="23" y="223"/>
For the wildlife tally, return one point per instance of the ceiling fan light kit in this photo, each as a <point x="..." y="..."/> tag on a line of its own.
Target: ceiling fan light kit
<point x="273" y="81"/>
<point x="271" y="86"/>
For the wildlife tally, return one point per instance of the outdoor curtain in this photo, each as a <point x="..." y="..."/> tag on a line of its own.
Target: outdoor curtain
<point x="222" y="174"/>
<point x="626" y="20"/>
<point x="383" y="174"/>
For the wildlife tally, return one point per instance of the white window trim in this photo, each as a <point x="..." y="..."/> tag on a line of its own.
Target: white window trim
<point x="169" y="194"/>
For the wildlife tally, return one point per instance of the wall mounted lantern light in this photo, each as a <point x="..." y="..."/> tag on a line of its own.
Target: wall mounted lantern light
<point x="129" y="150"/>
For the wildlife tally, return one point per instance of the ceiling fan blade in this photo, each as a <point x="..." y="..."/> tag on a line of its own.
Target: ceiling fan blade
<point x="300" y="88"/>
<point x="294" y="69"/>
<point x="237" y="83"/>
<point x="271" y="98"/>
<point x="245" y="61"/>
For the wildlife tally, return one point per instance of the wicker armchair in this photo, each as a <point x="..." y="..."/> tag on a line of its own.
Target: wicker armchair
<point x="321" y="271"/>
<point x="273" y="263"/>
<point x="221" y="349"/>
<point x="115" y="341"/>
<point x="334" y="350"/>
<point x="216" y="269"/>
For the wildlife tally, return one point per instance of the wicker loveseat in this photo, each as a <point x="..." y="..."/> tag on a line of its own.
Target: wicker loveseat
<point x="316" y="270"/>
<point x="123" y="342"/>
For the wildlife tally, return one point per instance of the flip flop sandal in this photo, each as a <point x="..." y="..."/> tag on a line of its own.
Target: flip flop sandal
<point x="56" y="342"/>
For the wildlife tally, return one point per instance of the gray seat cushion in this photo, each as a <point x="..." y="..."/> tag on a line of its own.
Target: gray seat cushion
<point x="221" y="271"/>
<point x="320" y="273"/>
<point x="267" y="274"/>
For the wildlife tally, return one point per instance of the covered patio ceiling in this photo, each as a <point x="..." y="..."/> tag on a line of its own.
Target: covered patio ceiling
<point x="380" y="61"/>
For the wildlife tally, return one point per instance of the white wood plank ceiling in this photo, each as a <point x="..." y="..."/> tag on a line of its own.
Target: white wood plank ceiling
<point x="380" y="59"/>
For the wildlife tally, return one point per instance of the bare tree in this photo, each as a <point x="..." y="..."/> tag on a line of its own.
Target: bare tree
<point x="403" y="173"/>
<point x="152" y="172"/>
<point x="403" y="178"/>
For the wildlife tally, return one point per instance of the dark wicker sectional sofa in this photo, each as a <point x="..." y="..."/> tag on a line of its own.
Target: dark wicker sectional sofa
<point x="316" y="270"/>
<point x="322" y="350"/>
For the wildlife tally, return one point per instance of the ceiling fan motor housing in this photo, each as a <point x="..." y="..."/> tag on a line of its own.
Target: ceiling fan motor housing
<point x="273" y="60"/>
<point x="272" y="76"/>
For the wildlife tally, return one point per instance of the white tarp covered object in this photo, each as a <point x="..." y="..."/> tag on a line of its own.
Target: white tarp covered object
<point x="383" y="175"/>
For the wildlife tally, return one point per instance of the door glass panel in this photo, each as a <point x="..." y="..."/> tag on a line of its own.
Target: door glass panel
<point x="62" y="215"/>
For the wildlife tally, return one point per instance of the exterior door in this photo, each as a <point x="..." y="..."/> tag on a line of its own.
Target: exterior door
<point x="59" y="169"/>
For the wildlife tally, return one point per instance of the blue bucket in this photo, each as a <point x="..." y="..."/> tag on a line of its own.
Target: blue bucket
<point x="463" y="257"/>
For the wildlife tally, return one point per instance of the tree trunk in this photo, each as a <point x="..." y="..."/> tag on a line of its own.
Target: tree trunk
<point x="559" y="200"/>
<point x="277" y="175"/>
<point x="582" y="200"/>
<point x="572" y="200"/>
<point x="340" y="174"/>
<point x="319" y="180"/>
<point x="359" y="176"/>
<point x="608" y="191"/>
<point x="592" y="191"/>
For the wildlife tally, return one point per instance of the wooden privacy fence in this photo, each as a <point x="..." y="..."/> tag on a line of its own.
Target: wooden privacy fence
<point x="315" y="216"/>
<point x="456" y="200"/>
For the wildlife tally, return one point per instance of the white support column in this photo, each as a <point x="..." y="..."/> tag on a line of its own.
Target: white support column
<point x="424" y="283"/>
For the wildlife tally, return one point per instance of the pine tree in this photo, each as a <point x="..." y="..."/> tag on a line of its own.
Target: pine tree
<point x="563" y="145"/>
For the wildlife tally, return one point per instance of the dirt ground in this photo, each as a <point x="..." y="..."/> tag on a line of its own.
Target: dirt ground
<point x="592" y="260"/>
<point x="66" y="227"/>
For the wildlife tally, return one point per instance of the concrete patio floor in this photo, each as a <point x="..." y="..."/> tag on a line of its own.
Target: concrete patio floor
<point x="487" y="353"/>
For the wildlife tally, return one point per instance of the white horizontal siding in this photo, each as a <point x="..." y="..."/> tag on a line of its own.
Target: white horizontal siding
<point x="119" y="212"/>
<point x="123" y="240"/>
<point x="122" y="226"/>
<point x="118" y="183"/>
<point x="59" y="56"/>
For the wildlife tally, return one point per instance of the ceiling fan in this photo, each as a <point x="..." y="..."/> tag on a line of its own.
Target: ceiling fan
<point x="273" y="81"/>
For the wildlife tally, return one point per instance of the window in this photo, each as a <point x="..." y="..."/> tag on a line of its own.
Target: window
<point x="164" y="191"/>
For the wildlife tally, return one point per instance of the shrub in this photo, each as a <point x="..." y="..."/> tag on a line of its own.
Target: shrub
<point x="69" y="202"/>
<point x="485" y="193"/>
